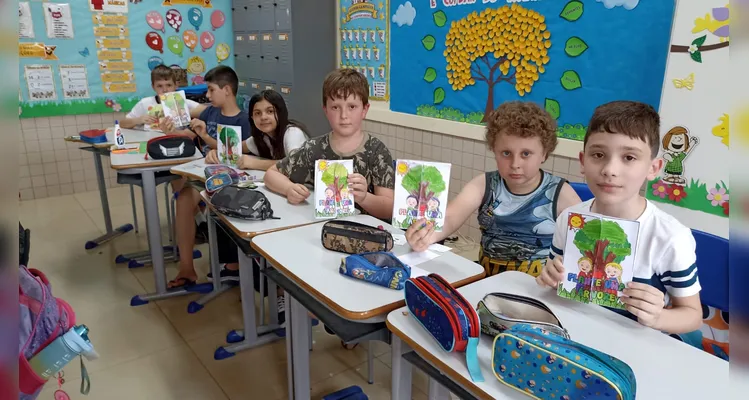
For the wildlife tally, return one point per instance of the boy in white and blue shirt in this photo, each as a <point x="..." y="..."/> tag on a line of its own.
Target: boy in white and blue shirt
<point x="619" y="155"/>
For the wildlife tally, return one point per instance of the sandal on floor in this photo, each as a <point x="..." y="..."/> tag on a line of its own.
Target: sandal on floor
<point x="183" y="283"/>
<point x="349" y="347"/>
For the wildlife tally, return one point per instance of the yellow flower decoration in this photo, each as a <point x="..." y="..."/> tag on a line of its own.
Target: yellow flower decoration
<point x="402" y="168"/>
<point x="322" y="165"/>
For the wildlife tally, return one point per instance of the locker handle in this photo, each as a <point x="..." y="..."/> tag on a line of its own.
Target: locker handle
<point x="248" y="56"/>
<point x="245" y="7"/>
<point x="262" y="56"/>
<point x="259" y="6"/>
<point x="275" y="4"/>
<point x="276" y="57"/>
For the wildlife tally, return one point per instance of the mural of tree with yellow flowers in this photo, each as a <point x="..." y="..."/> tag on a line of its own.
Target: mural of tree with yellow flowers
<point x="507" y="44"/>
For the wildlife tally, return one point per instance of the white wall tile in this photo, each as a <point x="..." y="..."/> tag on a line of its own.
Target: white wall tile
<point x="41" y="122"/>
<point x="34" y="157"/>
<point x="55" y="121"/>
<point x="27" y="194"/>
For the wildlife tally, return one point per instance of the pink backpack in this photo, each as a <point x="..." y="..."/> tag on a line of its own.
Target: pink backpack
<point x="43" y="319"/>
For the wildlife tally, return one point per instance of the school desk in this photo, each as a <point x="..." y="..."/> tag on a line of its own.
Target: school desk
<point x="665" y="368"/>
<point x="243" y="232"/>
<point x="146" y="167"/>
<point x="195" y="171"/>
<point x="354" y="309"/>
<point x="102" y="149"/>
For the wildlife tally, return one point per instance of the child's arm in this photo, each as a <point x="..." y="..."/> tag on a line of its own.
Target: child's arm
<point x="646" y="303"/>
<point x="197" y="110"/>
<point x="567" y="197"/>
<point x="254" y="162"/>
<point x="553" y="271"/>
<point x="130" y="123"/>
<point x="420" y="237"/>
<point x="198" y="126"/>
<point x="279" y="183"/>
<point x="380" y="203"/>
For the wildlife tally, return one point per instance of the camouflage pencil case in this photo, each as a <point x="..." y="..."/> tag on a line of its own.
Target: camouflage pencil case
<point x="355" y="238"/>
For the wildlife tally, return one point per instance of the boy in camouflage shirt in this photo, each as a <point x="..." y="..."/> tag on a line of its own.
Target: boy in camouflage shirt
<point x="345" y="101"/>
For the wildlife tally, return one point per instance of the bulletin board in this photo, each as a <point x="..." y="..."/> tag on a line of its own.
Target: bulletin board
<point x="96" y="56"/>
<point x="365" y="37"/>
<point x="459" y="60"/>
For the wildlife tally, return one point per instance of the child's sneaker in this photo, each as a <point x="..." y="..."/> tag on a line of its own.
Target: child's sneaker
<point x="281" y="309"/>
<point x="226" y="275"/>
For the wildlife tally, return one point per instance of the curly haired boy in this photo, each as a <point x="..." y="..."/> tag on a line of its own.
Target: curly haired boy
<point x="518" y="203"/>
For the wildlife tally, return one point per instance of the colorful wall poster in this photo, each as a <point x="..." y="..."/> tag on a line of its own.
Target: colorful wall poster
<point x="40" y="82"/>
<point x="365" y="37"/>
<point x="695" y="121"/>
<point x="117" y="43"/>
<point x="460" y="60"/>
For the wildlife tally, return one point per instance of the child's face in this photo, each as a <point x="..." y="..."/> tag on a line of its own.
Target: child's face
<point x="164" y="86"/>
<point x="264" y="116"/>
<point x="345" y="115"/>
<point x="585" y="266"/>
<point x="411" y="202"/>
<point x="518" y="159"/>
<point x="615" y="167"/>
<point x="612" y="272"/>
<point x="218" y="96"/>
<point x="328" y="192"/>
<point x="432" y="204"/>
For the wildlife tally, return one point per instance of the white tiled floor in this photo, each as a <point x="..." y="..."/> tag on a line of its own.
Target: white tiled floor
<point x="159" y="351"/>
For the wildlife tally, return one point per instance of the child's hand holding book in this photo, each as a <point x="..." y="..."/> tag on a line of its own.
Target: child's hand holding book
<point x="644" y="302"/>
<point x="552" y="274"/>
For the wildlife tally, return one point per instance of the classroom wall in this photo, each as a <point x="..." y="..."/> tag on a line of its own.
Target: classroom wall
<point x="50" y="166"/>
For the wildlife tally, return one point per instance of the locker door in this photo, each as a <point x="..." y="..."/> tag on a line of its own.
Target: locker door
<point x="238" y="16"/>
<point x="267" y="15"/>
<point x="267" y="85"/>
<point x="241" y="55"/>
<point x="254" y="50"/>
<point x="255" y="86"/>
<point x="270" y="63"/>
<point x="283" y="15"/>
<point x="286" y="93"/>
<point x="253" y="15"/>
<point x="284" y="57"/>
<point x="244" y="94"/>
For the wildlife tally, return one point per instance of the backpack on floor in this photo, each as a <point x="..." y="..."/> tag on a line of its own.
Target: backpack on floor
<point x="43" y="318"/>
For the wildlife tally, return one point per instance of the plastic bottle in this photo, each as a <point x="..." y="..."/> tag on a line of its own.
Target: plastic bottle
<point x="51" y="359"/>
<point x="119" y="139"/>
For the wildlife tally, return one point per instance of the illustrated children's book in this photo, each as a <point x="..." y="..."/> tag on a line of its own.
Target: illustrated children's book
<point x="599" y="259"/>
<point x="229" y="144"/>
<point x="420" y="192"/>
<point x="332" y="196"/>
<point x="174" y="105"/>
<point x="156" y="110"/>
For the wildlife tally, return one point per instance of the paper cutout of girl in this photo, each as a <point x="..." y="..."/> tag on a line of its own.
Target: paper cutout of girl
<point x="677" y="144"/>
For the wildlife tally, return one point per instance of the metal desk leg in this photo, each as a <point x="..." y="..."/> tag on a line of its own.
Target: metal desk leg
<point x="401" y="371"/>
<point x="153" y="228"/>
<point x="437" y="391"/>
<point x="218" y="287"/>
<point x="252" y="335"/>
<point x="110" y="234"/>
<point x="297" y="327"/>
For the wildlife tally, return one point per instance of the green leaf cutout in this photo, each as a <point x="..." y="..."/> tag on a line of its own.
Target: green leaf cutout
<point x="428" y="42"/>
<point x="575" y="46"/>
<point x="571" y="80"/>
<point x="440" y="19"/>
<point x="552" y="107"/>
<point x="572" y="11"/>
<point x="696" y="56"/>
<point x="699" y="41"/>
<point x="439" y="95"/>
<point x="430" y="74"/>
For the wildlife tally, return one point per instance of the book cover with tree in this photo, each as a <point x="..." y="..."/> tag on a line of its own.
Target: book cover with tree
<point x="332" y="196"/>
<point x="229" y="144"/>
<point x="421" y="190"/>
<point x="599" y="256"/>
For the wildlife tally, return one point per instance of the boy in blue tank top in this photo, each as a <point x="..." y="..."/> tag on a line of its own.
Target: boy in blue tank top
<point x="518" y="204"/>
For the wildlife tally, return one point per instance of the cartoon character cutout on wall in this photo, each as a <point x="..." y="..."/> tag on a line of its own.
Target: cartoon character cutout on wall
<point x="677" y="145"/>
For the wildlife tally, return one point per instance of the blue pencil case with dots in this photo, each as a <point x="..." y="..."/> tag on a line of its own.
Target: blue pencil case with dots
<point x="544" y="365"/>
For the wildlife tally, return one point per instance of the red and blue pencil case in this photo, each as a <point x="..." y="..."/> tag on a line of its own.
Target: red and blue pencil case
<point x="447" y="316"/>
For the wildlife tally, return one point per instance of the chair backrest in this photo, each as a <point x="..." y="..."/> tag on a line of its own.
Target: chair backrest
<point x="582" y="190"/>
<point x="712" y="269"/>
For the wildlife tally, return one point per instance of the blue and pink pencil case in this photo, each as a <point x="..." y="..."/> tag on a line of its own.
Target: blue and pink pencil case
<point x="447" y="316"/>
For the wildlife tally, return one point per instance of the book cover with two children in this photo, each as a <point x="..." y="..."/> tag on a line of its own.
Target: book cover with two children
<point x="421" y="189"/>
<point x="599" y="259"/>
<point x="332" y="195"/>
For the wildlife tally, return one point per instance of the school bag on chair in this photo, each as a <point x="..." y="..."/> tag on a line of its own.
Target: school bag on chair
<point x="43" y="318"/>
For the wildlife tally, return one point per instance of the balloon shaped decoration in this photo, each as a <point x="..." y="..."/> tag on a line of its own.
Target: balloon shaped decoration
<point x="195" y="16"/>
<point x="190" y="38"/>
<point x="222" y="52"/>
<point x="174" y="19"/>
<point x="154" y="61"/>
<point x="217" y="19"/>
<point x="155" y="21"/>
<point x="198" y="80"/>
<point x="206" y="40"/>
<point x="175" y="45"/>
<point x="154" y="41"/>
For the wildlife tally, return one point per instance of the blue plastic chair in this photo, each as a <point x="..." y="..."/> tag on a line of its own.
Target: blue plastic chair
<point x="712" y="269"/>
<point x="582" y="190"/>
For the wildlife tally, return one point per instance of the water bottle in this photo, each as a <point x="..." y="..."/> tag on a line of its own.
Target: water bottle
<point x="119" y="140"/>
<point x="53" y="358"/>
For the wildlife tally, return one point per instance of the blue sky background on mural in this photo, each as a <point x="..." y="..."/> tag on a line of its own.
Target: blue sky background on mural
<point x="625" y="58"/>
